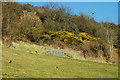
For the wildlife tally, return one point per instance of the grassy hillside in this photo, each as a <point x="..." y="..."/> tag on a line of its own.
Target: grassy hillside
<point x="54" y="27"/>
<point x="27" y="64"/>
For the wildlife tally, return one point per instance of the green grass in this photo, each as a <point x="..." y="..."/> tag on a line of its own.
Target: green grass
<point x="27" y="64"/>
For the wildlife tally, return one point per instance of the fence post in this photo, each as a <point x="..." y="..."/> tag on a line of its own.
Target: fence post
<point x="63" y="54"/>
<point x="54" y="52"/>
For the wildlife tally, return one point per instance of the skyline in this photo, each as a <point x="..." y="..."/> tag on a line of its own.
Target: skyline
<point x="104" y="11"/>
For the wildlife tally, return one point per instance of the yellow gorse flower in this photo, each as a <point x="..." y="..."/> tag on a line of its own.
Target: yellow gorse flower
<point x="71" y="38"/>
<point x="65" y="40"/>
<point x="34" y="28"/>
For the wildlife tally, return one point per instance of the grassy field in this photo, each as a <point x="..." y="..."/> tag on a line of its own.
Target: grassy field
<point x="27" y="64"/>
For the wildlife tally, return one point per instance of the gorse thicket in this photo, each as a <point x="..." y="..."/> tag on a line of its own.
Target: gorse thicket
<point x="70" y="37"/>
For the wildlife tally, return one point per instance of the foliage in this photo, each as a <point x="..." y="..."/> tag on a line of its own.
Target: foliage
<point x="70" y="37"/>
<point x="31" y="27"/>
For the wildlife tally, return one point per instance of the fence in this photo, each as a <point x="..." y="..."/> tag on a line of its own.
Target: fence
<point x="51" y="51"/>
<point x="61" y="52"/>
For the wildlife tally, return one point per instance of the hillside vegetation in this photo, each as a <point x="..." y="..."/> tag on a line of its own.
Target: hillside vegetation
<point x="55" y="26"/>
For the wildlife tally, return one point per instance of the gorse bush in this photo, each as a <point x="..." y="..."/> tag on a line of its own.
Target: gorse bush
<point x="70" y="37"/>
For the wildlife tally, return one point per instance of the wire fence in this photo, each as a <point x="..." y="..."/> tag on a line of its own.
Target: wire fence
<point x="53" y="52"/>
<point x="60" y="52"/>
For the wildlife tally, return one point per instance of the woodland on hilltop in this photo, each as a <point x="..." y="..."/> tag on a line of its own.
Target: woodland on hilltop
<point x="56" y="24"/>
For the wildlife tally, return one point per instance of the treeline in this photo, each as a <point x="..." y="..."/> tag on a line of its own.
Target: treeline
<point x="16" y="17"/>
<point x="23" y="21"/>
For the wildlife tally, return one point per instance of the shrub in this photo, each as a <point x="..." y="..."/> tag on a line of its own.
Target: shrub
<point x="70" y="38"/>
